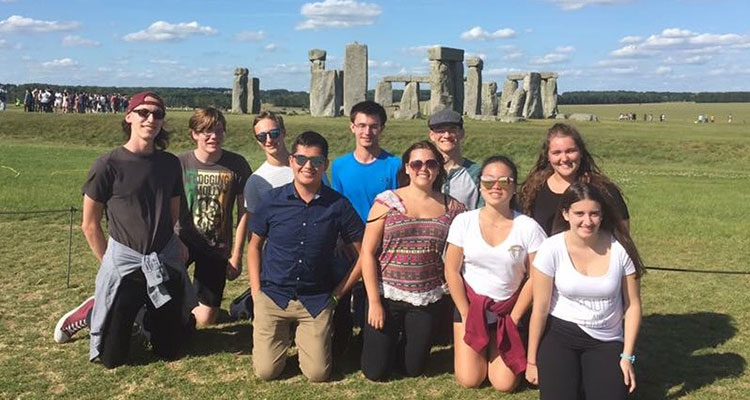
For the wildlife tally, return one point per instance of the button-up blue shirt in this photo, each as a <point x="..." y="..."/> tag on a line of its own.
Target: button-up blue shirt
<point x="297" y="261"/>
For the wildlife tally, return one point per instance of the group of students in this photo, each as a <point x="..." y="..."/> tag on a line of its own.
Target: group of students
<point x="429" y="234"/>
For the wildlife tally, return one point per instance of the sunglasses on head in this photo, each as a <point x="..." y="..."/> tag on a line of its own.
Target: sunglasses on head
<point x="316" y="161"/>
<point x="273" y="133"/>
<point x="418" y="164"/>
<point x="144" y="113"/>
<point x="503" y="182"/>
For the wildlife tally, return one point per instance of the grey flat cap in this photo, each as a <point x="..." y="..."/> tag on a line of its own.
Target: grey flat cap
<point x="445" y="116"/>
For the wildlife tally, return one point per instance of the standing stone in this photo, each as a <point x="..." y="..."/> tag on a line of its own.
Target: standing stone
<point x="239" y="91"/>
<point x="446" y="78"/>
<point x="517" y="102"/>
<point x="317" y="59"/>
<point x="549" y="97"/>
<point x="506" y="97"/>
<point x="253" y="95"/>
<point x="355" y="71"/>
<point x="473" y="92"/>
<point x="409" y="106"/>
<point x="384" y="93"/>
<point x="533" y="106"/>
<point x="325" y="86"/>
<point x="489" y="98"/>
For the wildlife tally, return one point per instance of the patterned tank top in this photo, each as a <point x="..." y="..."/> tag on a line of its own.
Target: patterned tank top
<point x="411" y="261"/>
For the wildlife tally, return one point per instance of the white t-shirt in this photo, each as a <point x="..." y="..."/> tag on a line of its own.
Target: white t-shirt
<point x="265" y="178"/>
<point x="593" y="303"/>
<point x="496" y="272"/>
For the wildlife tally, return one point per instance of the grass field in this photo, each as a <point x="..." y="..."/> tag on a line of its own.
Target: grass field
<point x="687" y="186"/>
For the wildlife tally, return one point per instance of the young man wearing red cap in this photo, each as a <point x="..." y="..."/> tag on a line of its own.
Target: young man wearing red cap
<point x="139" y="185"/>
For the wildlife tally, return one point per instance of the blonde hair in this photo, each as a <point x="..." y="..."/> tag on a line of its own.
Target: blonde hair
<point x="204" y="119"/>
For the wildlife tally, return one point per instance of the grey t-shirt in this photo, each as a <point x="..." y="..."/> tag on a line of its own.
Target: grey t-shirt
<point x="136" y="190"/>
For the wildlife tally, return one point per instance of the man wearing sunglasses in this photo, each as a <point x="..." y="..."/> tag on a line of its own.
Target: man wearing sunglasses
<point x="214" y="180"/>
<point x="139" y="186"/>
<point x="446" y="132"/>
<point x="294" y="231"/>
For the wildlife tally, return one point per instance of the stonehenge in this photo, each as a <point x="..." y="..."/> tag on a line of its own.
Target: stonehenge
<point x="245" y="92"/>
<point x="536" y="97"/>
<point x="325" y="86"/>
<point x="528" y="95"/>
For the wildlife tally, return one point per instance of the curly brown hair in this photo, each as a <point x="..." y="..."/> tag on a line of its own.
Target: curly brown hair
<point x="587" y="172"/>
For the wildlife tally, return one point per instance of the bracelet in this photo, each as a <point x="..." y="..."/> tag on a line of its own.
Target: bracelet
<point x="630" y="358"/>
<point x="334" y="299"/>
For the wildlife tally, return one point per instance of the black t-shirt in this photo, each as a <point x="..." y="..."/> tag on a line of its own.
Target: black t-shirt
<point x="136" y="190"/>
<point x="547" y="203"/>
<point x="210" y="193"/>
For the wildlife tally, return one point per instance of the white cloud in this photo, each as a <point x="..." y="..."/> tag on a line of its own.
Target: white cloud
<point x="161" y="31"/>
<point x="614" y="62"/>
<point x="662" y="70"/>
<point x="570" y="5"/>
<point x="551" y="58"/>
<point x="565" y="49"/>
<point x="631" y="39"/>
<point x="697" y="59"/>
<point x="571" y="72"/>
<point x="286" y="69"/>
<point x="17" y="23"/>
<point x="60" y="63"/>
<point x="478" y="33"/>
<point x="338" y="14"/>
<point x="381" y="64"/>
<point x="163" y="61"/>
<point x="271" y="47"/>
<point x="3" y="43"/>
<point x="624" y="71"/>
<point x="632" y="51"/>
<point x="500" y="71"/>
<point x="418" y="50"/>
<point x="250" y="36"/>
<point x="75" y="41"/>
<point x="513" y="56"/>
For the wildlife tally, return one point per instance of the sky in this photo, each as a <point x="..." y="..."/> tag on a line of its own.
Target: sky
<point x="642" y="45"/>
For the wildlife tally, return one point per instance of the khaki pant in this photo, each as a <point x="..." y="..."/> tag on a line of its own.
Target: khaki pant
<point x="271" y="339"/>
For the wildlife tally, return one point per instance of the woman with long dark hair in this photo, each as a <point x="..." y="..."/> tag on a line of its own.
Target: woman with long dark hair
<point x="486" y="266"/>
<point x="585" y="284"/>
<point x="563" y="160"/>
<point x="402" y="264"/>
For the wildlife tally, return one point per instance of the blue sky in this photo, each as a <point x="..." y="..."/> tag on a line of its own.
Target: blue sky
<point x="661" y="45"/>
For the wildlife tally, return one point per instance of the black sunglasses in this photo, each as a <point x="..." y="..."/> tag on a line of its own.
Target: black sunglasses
<point x="273" y="133"/>
<point x="144" y="113"/>
<point x="316" y="161"/>
<point x="416" y="165"/>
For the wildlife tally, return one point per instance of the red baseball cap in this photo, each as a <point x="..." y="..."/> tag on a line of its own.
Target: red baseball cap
<point x="140" y="98"/>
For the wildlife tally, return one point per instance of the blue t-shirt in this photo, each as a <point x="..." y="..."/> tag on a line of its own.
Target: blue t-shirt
<point x="360" y="183"/>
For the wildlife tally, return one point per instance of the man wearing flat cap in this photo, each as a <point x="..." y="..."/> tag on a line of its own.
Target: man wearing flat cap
<point x="447" y="132"/>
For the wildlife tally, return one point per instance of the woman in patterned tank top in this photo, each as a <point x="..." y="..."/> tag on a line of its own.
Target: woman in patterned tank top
<point x="402" y="264"/>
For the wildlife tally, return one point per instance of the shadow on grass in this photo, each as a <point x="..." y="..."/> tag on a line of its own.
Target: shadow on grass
<point x="668" y="366"/>
<point x="234" y="338"/>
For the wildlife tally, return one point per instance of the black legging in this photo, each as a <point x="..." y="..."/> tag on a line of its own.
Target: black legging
<point x="406" y="339"/>
<point x="571" y="362"/>
<point x="165" y="324"/>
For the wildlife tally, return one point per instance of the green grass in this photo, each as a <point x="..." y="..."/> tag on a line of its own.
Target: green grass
<point x="687" y="187"/>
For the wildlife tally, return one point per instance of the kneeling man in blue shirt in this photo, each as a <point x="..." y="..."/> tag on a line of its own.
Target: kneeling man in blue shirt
<point x="294" y="232"/>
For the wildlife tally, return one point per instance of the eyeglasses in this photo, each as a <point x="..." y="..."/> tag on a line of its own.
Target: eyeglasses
<point x="503" y="182"/>
<point x="449" y="129"/>
<point x="416" y="165"/>
<point x="316" y="161"/>
<point x="273" y="133"/>
<point x="144" y="113"/>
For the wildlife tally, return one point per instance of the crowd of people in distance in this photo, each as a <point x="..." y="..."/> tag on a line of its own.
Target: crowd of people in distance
<point x="536" y="278"/>
<point x="47" y="100"/>
<point x="647" y="117"/>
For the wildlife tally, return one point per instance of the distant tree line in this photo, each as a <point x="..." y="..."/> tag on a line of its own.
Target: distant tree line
<point x="222" y="97"/>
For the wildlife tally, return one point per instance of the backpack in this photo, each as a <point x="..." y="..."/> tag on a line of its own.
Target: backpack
<point x="241" y="307"/>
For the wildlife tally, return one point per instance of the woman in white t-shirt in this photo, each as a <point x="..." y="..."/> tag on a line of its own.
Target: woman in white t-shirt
<point x="586" y="282"/>
<point x="486" y="263"/>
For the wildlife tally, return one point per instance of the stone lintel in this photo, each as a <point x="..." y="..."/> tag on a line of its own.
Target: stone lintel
<point x="445" y="54"/>
<point x="316" y="54"/>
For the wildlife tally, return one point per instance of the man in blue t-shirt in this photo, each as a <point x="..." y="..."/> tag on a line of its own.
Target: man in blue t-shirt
<point x="360" y="176"/>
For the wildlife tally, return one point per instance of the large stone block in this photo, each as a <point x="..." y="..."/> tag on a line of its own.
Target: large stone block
<point x="442" y="86"/>
<point x="517" y="102"/>
<point x="406" y="78"/>
<point x="445" y="54"/>
<point x="533" y="106"/>
<point x="253" y="95"/>
<point x="324" y="87"/>
<point x="549" y="97"/>
<point x="506" y="97"/>
<point x="489" y="98"/>
<point x="355" y="72"/>
<point x="317" y="59"/>
<point x="475" y="62"/>
<point x="239" y="91"/>
<point x="473" y="91"/>
<point x="384" y="93"/>
<point x="409" y="105"/>
<point x="458" y="88"/>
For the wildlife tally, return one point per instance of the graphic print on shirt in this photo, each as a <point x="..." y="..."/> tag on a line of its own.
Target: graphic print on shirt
<point x="208" y="194"/>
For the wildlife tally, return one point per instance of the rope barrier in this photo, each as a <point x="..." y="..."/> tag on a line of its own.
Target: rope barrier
<point x="699" y="271"/>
